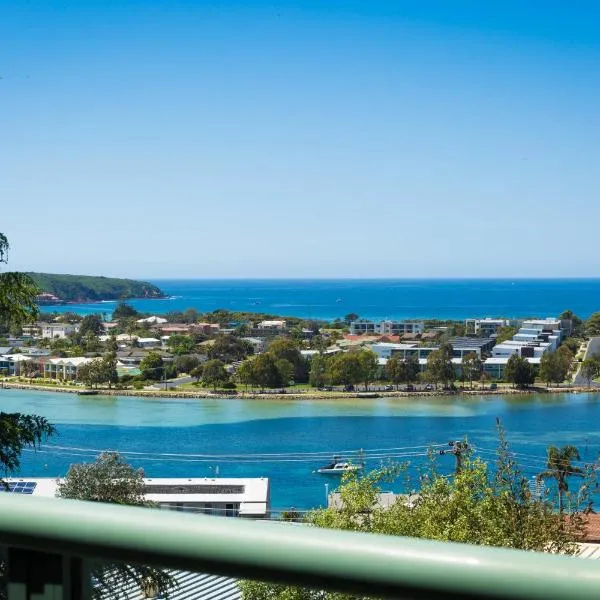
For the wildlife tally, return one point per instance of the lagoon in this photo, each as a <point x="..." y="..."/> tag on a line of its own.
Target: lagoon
<point x="162" y="430"/>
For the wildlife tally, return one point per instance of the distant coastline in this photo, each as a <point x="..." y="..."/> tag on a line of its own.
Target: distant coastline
<point x="61" y="289"/>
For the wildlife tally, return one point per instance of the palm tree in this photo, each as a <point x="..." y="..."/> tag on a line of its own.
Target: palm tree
<point x="559" y="466"/>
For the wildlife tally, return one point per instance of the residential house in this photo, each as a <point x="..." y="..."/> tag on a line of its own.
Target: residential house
<point x="63" y="368"/>
<point x="386" y="327"/>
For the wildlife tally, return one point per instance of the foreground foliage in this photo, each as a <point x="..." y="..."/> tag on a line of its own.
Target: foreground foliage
<point x="478" y="505"/>
<point x="111" y="479"/>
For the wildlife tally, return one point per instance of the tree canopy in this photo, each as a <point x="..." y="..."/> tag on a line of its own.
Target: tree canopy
<point x="479" y="505"/>
<point x="112" y="480"/>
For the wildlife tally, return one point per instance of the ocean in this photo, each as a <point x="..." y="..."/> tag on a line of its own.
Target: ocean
<point x="371" y="298"/>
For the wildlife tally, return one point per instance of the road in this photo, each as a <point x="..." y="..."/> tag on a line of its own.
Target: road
<point x="592" y="349"/>
<point x="171" y="383"/>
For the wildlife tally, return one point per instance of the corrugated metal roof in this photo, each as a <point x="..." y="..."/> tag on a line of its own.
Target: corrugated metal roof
<point x="192" y="586"/>
<point x="589" y="551"/>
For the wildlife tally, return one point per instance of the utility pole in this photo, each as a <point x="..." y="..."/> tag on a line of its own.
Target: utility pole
<point x="459" y="449"/>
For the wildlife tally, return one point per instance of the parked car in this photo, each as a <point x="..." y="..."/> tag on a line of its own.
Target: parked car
<point x="389" y="388"/>
<point x="410" y="387"/>
<point x="349" y="388"/>
<point x="428" y="387"/>
<point x="493" y="386"/>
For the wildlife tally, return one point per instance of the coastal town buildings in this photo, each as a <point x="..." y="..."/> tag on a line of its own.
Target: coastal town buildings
<point x="485" y="327"/>
<point x="532" y="340"/>
<point x="386" y="327"/>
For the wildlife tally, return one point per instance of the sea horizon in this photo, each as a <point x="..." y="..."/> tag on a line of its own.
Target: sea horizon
<point x="330" y="299"/>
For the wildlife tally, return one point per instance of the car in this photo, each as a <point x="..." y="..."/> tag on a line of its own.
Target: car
<point x="428" y="387"/>
<point x="410" y="387"/>
<point x="349" y="388"/>
<point x="388" y="388"/>
<point x="493" y="386"/>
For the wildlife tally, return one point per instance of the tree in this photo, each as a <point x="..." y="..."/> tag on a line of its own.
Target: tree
<point x="413" y="368"/>
<point x="17" y="432"/>
<point x="112" y="480"/>
<point x="396" y="370"/>
<point x="286" y="349"/>
<point x="318" y="369"/>
<point x="480" y="505"/>
<point x="440" y="366"/>
<point x="592" y="325"/>
<point x="197" y="372"/>
<point x="182" y="344"/>
<point x="245" y="373"/>
<point x="123" y="311"/>
<point x="214" y="373"/>
<point x="519" y="371"/>
<point x="369" y="366"/>
<point x="549" y="367"/>
<point x="29" y="368"/>
<point x="286" y="371"/>
<point x="228" y="348"/>
<point x="344" y="368"/>
<point x="92" y="373"/>
<point x="590" y="369"/>
<point x="560" y="467"/>
<point x="90" y="324"/>
<point x="17" y="293"/>
<point x="186" y="363"/>
<point x="152" y="366"/>
<point x="109" y="362"/>
<point x="264" y="372"/>
<point x="350" y="317"/>
<point x="471" y="367"/>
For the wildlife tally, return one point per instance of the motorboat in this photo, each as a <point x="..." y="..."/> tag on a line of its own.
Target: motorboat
<point x="339" y="467"/>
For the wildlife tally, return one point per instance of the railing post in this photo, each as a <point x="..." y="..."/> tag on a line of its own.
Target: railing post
<point x="34" y="575"/>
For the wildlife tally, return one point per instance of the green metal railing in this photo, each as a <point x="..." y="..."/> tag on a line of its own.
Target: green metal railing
<point x="378" y="566"/>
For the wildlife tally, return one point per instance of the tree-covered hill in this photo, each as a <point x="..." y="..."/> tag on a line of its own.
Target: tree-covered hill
<point x="85" y="288"/>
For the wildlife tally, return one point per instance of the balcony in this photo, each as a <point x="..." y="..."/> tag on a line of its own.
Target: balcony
<point x="70" y="532"/>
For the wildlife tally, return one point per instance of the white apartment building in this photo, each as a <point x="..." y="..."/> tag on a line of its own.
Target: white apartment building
<point x="386" y="327"/>
<point x="63" y="368"/>
<point x="227" y="497"/>
<point x="534" y="338"/>
<point x="57" y="330"/>
<point x="274" y="324"/>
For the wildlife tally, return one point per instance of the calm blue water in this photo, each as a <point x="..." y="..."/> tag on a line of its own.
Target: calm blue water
<point x="166" y="427"/>
<point x="375" y="299"/>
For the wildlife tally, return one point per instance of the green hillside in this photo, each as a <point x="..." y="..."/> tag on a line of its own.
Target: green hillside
<point x="85" y="288"/>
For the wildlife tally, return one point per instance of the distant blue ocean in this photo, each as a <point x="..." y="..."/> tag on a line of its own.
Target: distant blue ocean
<point x="372" y="298"/>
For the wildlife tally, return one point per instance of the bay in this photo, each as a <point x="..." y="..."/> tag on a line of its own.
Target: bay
<point x="162" y="431"/>
<point x="371" y="298"/>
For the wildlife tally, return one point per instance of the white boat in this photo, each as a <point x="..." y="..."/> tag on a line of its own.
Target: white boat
<point x="338" y="467"/>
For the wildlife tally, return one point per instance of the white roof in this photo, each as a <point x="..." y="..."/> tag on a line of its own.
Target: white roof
<point x="147" y="340"/>
<point x="153" y="319"/>
<point x="74" y="361"/>
<point x="16" y="358"/>
<point x="502" y="360"/>
<point x="393" y="346"/>
<point x="253" y="493"/>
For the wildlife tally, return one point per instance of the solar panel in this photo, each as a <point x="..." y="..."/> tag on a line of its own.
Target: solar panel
<point x="19" y="487"/>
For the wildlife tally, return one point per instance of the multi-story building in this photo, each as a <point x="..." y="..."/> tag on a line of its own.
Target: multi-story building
<point x="57" y="330"/>
<point x="386" y="327"/>
<point x="534" y="338"/>
<point x="485" y="327"/>
<point x="63" y="368"/>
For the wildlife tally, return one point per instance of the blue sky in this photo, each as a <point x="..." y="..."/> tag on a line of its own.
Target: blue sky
<point x="321" y="138"/>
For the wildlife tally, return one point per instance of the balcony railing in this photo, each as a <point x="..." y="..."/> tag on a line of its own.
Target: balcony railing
<point x="373" y="565"/>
